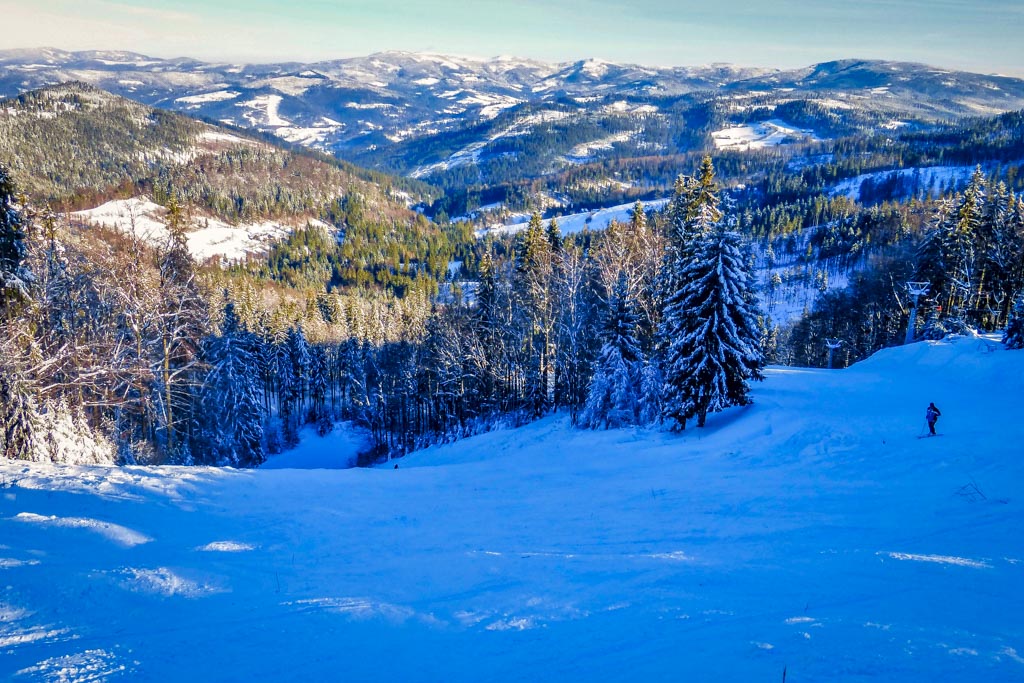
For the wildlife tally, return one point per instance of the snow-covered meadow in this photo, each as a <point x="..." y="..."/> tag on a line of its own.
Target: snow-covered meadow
<point x="752" y="136"/>
<point x="811" y="533"/>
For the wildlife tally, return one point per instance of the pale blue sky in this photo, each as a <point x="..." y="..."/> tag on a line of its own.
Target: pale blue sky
<point x="979" y="35"/>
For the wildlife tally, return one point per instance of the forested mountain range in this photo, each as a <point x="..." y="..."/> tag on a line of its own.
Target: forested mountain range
<point x="73" y="143"/>
<point x="376" y="297"/>
<point x="463" y="119"/>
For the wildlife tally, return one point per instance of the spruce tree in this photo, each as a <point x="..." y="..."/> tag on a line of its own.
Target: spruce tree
<point x="294" y="360"/>
<point x="15" y="278"/>
<point x="19" y="422"/>
<point x="931" y="253"/>
<point x="613" y="399"/>
<point x="319" y="414"/>
<point x="715" y="349"/>
<point x="232" y="414"/>
<point x="960" y="248"/>
<point x="709" y="328"/>
<point x="535" y="304"/>
<point x="554" y="235"/>
<point x="652" y="385"/>
<point x="1013" y="337"/>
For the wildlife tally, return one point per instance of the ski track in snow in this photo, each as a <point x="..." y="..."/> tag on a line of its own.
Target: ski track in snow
<point x="112" y="532"/>
<point x="226" y="547"/>
<point x="809" y="531"/>
<point x="88" y="666"/>
<point x="939" y="559"/>
<point x="17" y="629"/>
<point x="161" y="581"/>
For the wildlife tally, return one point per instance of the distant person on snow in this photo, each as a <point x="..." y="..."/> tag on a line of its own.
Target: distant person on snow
<point x="932" y="415"/>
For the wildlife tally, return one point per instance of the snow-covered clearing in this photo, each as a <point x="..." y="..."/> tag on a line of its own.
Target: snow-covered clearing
<point x="263" y="111"/>
<point x="811" y="532"/>
<point x="575" y="222"/>
<point x="582" y="153"/>
<point x="471" y="152"/>
<point x="799" y="283"/>
<point x="910" y="182"/>
<point x="209" y="237"/>
<point x="204" y="98"/>
<point x="760" y="135"/>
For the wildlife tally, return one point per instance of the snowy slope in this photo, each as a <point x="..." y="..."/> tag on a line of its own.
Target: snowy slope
<point x="914" y="182"/>
<point x="811" y="533"/>
<point x="208" y="237"/>
<point x="760" y="135"/>
<point x="576" y="222"/>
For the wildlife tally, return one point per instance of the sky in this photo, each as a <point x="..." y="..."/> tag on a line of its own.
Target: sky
<point x="976" y="35"/>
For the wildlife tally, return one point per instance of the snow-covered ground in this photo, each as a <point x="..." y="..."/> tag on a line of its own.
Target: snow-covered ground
<point x="811" y="533"/>
<point x="919" y="181"/>
<point x="582" y="153"/>
<point x="799" y="283"/>
<point x="575" y="222"/>
<point x="215" y="96"/>
<point x="263" y="112"/>
<point x="208" y="237"/>
<point x="760" y="135"/>
<point x="337" y="450"/>
<point x="470" y="154"/>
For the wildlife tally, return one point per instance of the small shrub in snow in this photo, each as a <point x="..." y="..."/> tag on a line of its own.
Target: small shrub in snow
<point x="64" y="436"/>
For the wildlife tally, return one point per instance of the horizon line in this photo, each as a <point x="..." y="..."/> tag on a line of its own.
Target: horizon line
<point x="499" y="58"/>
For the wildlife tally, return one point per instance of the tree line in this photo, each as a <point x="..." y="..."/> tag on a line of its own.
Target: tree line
<point x="141" y="353"/>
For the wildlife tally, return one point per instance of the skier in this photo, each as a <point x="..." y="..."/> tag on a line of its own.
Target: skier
<point x="932" y="415"/>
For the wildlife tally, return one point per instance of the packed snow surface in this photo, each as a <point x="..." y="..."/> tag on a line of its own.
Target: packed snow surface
<point x="811" y="533"/>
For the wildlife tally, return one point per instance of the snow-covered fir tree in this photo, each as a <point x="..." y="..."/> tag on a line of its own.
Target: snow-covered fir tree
<point x="709" y="328"/>
<point x="715" y="349"/>
<point x="65" y="436"/>
<point x="652" y="385"/>
<point x="319" y="413"/>
<point x="613" y="400"/>
<point x="14" y="276"/>
<point x="295" y="363"/>
<point x="231" y="414"/>
<point x="536" y="320"/>
<point x="19" y="423"/>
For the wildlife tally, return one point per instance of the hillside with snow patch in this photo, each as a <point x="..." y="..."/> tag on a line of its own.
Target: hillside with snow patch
<point x="207" y="237"/>
<point x="811" y="533"/>
<point x="761" y="135"/>
<point x="598" y="219"/>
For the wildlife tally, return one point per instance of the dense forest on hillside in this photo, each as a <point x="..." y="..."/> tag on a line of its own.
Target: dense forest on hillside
<point x="76" y="147"/>
<point x="406" y="322"/>
<point x="149" y="358"/>
<point x="797" y="172"/>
